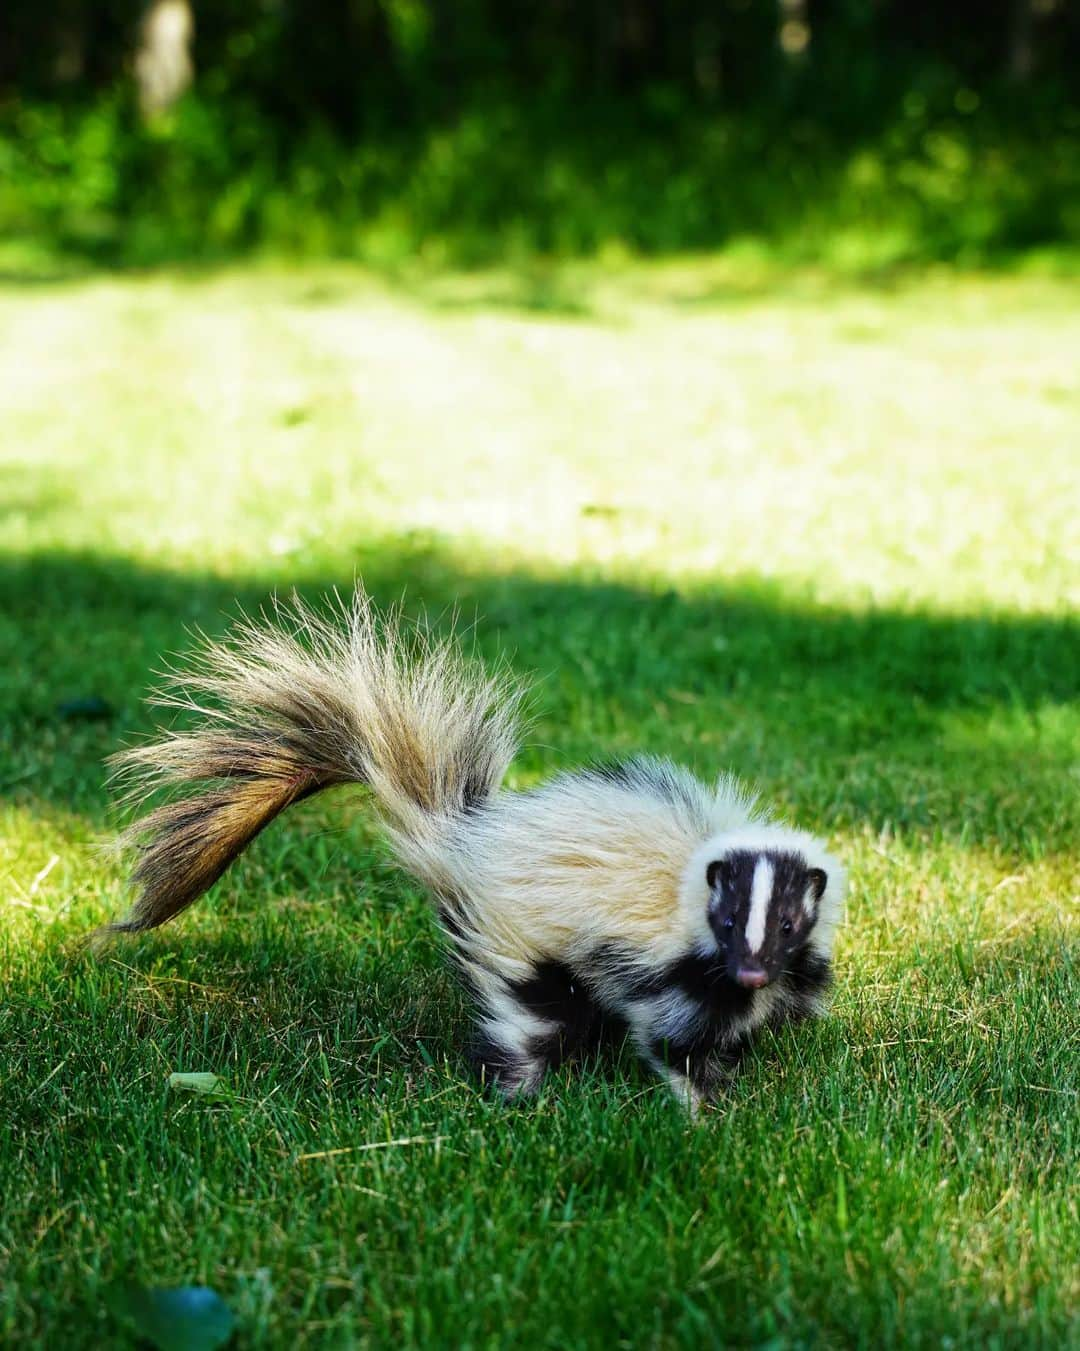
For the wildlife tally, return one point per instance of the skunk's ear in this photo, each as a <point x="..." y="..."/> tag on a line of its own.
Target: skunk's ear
<point x="719" y="870"/>
<point x="818" y="880"/>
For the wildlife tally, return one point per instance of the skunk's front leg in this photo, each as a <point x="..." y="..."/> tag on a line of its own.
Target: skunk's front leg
<point x="695" y="1074"/>
<point x="686" y="1048"/>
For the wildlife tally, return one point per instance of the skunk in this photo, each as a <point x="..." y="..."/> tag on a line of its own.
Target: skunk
<point x="626" y="896"/>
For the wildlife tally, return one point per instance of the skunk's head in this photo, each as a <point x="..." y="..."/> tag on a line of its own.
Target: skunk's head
<point x="763" y="907"/>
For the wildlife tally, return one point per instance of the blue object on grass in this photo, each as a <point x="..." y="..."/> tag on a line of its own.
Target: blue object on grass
<point x="190" y="1318"/>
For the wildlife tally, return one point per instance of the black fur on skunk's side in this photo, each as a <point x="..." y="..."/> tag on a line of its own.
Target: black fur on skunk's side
<point x="628" y="895"/>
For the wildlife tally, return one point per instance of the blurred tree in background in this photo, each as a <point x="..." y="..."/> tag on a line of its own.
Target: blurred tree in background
<point x="868" y="131"/>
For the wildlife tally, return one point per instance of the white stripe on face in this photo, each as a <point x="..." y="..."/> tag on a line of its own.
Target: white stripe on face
<point x="760" y="895"/>
<point x="809" y="903"/>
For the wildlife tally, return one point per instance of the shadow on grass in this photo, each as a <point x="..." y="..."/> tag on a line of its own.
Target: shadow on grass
<point x="956" y="725"/>
<point x="937" y="724"/>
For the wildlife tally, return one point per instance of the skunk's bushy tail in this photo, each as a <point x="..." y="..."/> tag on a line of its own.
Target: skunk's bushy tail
<point x="302" y="702"/>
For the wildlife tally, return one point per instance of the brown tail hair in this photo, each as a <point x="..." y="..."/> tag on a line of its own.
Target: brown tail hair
<point x="298" y="703"/>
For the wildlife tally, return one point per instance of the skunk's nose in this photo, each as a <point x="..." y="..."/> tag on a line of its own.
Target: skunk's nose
<point x="751" y="977"/>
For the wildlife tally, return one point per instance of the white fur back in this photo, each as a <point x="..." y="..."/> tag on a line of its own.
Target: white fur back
<point x="581" y="861"/>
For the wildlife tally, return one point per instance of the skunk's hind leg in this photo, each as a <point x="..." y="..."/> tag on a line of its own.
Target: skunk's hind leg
<point x="529" y="1026"/>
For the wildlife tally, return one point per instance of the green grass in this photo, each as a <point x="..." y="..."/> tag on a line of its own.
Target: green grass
<point x="821" y="534"/>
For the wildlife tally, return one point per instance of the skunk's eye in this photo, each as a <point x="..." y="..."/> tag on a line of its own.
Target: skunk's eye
<point x="729" y="923"/>
<point x="785" y="928"/>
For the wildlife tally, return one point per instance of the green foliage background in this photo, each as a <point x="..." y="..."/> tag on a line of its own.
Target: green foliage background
<point x="472" y="132"/>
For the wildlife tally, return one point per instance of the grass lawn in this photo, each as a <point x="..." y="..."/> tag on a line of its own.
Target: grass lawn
<point x="823" y="534"/>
